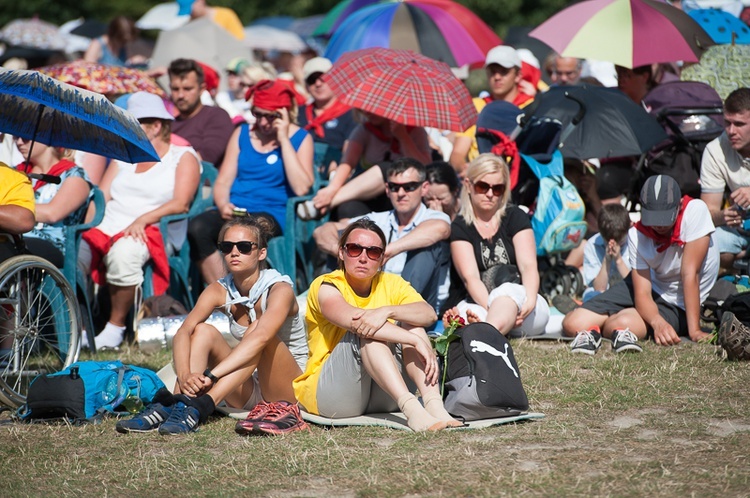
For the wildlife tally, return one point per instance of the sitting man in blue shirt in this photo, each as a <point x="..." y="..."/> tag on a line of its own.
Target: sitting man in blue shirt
<point x="417" y="237"/>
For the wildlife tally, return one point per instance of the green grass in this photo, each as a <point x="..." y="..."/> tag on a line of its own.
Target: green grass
<point x="668" y="422"/>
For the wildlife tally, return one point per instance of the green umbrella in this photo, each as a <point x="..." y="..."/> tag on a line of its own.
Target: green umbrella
<point x="724" y="67"/>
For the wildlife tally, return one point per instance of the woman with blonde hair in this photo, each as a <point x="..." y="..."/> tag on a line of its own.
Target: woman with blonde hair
<point x="494" y="274"/>
<point x="57" y="204"/>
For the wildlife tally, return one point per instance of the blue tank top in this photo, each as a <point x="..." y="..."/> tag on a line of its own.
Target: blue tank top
<point x="261" y="183"/>
<point x="108" y="57"/>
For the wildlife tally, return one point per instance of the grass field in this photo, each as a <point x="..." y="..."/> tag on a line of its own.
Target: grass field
<point x="667" y="422"/>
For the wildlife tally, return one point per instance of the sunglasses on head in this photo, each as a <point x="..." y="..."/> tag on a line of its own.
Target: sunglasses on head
<point x="270" y="116"/>
<point x="354" y="250"/>
<point x="408" y="186"/>
<point x="243" y="246"/>
<point x="483" y="187"/>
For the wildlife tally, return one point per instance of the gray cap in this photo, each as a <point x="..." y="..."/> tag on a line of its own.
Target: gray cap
<point x="660" y="201"/>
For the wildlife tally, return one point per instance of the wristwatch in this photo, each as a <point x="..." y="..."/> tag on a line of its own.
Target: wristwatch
<point x="211" y="376"/>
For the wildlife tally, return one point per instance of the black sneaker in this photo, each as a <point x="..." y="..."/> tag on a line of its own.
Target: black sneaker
<point x="587" y="342"/>
<point x="148" y="420"/>
<point x="625" y="340"/>
<point x="184" y="419"/>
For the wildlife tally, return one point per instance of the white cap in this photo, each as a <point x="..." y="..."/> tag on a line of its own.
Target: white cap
<point x="147" y="105"/>
<point x="316" y="65"/>
<point x="503" y="55"/>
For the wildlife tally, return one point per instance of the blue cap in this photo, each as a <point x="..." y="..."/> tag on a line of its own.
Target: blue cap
<point x="185" y="7"/>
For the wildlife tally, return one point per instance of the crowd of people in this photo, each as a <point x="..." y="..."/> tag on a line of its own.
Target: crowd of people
<point x="411" y="241"/>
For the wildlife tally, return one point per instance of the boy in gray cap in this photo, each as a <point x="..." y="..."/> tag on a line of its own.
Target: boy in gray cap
<point x="675" y="263"/>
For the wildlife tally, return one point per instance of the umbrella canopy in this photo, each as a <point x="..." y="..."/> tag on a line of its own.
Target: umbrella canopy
<point x="202" y="40"/>
<point x="723" y="67"/>
<point x="403" y="86"/>
<point x="722" y="26"/>
<point x="162" y="16"/>
<point x="101" y="78"/>
<point x="264" y="37"/>
<point x="33" y="33"/>
<point x="630" y="33"/>
<point x="40" y="108"/>
<point x="440" y="29"/>
<point x="612" y="125"/>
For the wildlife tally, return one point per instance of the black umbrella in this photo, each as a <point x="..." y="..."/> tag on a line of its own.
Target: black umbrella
<point x="595" y="122"/>
<point x="90" y="28"/>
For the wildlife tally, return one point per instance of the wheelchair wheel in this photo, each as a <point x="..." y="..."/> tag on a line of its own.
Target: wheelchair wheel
<point x="40" y="324"/>
<point x="576" y="281"/>
<point x="555" y="281"/>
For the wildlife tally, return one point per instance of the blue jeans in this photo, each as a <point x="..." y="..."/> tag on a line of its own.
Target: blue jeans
<point x="425" y="269"/>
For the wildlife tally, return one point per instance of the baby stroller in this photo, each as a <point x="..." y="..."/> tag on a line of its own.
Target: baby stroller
<point x="538" y="182"/>
<point x="692" y="115"/>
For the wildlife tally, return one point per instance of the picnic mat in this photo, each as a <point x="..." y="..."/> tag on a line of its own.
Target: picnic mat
<point x="395" y="420"/>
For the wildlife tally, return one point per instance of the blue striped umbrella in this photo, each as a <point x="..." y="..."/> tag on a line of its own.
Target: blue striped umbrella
<point x="39" y="108"/>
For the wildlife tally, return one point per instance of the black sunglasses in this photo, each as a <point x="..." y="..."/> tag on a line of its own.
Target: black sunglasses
<point x="313" y="78"/>
<point x="244" y="246"/>
<point x="270" y="116"/>
<point x="408" y="186"/>
<point x="354" y="250"/>
<point x="483" y="187"/>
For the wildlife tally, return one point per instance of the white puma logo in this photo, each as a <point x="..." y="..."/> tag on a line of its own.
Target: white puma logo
<point x="483" y="347"/>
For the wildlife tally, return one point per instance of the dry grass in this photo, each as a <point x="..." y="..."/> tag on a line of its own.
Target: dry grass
<point x="668" y="422"/>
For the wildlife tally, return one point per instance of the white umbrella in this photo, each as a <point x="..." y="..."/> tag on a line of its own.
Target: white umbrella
<point x="162" y="16"/>
<point x="262" y="37"/>
<point x="202" y="40"/>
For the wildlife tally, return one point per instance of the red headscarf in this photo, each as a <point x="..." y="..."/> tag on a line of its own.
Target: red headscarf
<point x="210" y="76"/>
<point x="270" y="95"/>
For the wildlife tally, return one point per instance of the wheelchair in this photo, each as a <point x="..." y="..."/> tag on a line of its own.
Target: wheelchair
<point x="40" y="323"/>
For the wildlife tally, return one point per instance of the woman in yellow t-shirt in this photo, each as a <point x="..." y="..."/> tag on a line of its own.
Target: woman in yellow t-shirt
<point x="367" y="340"/>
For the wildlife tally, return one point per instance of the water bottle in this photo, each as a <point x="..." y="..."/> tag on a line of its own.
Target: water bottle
<point x="133" y="404"/>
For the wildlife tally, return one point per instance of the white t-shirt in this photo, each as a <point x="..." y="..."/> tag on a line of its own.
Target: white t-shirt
<point x="135" y="194"/>
<point x="722" y="167"/>
<point x="665" y="266"/>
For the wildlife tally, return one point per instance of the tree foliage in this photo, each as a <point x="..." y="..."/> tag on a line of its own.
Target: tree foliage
<point x="497" y="14"/>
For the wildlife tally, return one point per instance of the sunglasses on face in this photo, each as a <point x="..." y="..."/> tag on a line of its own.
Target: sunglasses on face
<point x="243" y="246"/>
<point x="354" y="250"/>
<point x="408" y="186"/>
<point x="313" y="78"/>
<point x="481" y="187"/>
<point x="270" y="116"/>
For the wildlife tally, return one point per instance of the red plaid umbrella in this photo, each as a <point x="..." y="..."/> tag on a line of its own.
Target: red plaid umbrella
<point x="101" y="78"/>
<point x="403" y="86"/>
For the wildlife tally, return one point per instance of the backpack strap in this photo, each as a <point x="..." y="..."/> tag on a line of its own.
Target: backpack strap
<point x="110" y="407"/>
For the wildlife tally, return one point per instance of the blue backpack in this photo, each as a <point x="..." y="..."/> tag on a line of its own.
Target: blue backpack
<point x="88" y="390"/>
<point x="558" y="220"/>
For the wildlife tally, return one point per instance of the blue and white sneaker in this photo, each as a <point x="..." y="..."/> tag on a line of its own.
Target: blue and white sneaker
<point x="184" y="419"/>
<point x="148" y="420"/>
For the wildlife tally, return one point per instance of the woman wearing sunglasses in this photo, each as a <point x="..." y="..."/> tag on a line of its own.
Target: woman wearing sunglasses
<point x="253" y="371"/>
<point x="264" y="165"/>
<point x="367" y="339"/>
<point x="495" y="275"/>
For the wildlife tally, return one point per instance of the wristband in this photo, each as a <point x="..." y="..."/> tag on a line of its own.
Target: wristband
<point x="211" y="376"/>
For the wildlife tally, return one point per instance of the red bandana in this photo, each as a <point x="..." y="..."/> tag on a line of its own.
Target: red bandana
<point x="315" y="123"/>
<point x="270" y="95"/>
<point x="664" y="241"/>
<point x="57" y="169"/>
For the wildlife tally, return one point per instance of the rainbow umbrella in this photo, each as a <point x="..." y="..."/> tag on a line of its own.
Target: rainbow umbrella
<point x="440" y="29"/>
<point x="630" y="33"/>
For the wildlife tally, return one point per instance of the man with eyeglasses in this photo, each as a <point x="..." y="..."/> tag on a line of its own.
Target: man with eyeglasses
<point x="416" y="236"/>
<point x="207" y="128"/>
<point x="327" y="118"/>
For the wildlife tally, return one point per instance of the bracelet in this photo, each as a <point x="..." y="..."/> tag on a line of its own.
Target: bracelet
<point x="211" y="376"/>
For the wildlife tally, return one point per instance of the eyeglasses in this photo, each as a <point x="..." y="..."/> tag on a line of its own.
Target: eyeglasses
<point x="408" y="186"/>
<point x="313" y="78"/>
<point x="354" y="250"/>
<point x="270" y="116"/>
<point x="483" y="187"/>
<point x="243" y="246"/>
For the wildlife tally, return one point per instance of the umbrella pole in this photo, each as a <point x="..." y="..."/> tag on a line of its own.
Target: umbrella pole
<point x="33" y="138"/>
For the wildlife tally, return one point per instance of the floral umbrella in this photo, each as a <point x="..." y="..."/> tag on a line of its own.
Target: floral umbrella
<point x="723" y="67"/>
<point x="33" y="33"/>
<point x="102" y="78"/>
